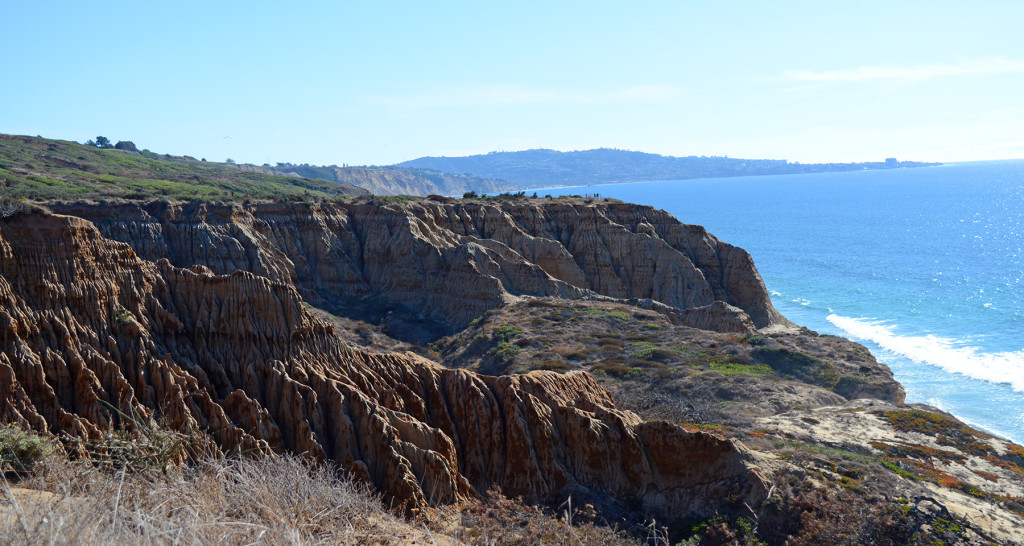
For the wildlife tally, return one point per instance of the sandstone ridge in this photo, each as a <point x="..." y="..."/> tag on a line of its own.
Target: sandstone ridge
<point x="88" y="326"/>
<point x="449" y="262"/>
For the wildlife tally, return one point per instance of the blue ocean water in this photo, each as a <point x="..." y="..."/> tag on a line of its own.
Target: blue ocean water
<point x="924" y="266"/>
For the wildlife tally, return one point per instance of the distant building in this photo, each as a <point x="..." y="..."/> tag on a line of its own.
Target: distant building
<point x="891" y="162"/>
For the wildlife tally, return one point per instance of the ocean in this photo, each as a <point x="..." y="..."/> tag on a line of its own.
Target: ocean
<point x="923" y="266"/>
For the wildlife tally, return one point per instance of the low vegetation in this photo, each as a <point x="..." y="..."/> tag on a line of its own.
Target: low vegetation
<point x="227" y="501"/>
<point x="40" y="169"/>
<point x="282" y="499"/>
<point x="660" y="369"/>
<point x="22" y="450"/>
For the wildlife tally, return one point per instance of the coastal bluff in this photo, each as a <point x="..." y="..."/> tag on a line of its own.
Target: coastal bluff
<point x="91" y="332"/>
<point x="449" y="261"/>
<point x="442" y="349"/>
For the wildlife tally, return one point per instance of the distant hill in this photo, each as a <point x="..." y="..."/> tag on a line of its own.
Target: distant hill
<point x="397" y="181"/>
<point x="541" y="167"/>
<point x="43" y="169"/>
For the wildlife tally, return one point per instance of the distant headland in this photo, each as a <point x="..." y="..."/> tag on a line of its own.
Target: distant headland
<point x="542" y="167"/>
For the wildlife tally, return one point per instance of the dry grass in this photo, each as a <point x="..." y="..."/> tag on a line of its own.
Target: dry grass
<point x="500" y="520"/>
<point x="154" y="487"/>
<point x="275" y="500"/>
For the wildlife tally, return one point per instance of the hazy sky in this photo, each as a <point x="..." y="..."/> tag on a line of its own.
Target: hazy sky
<point x="383" y="82"/>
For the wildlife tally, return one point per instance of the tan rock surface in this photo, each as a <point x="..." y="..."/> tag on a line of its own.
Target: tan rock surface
<point x="86" y="325"/>
<point x="972" y="474"/>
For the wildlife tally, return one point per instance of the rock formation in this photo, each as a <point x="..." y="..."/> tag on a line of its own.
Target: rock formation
<point x="225" y="349"/>
<point x="450" y="262"/>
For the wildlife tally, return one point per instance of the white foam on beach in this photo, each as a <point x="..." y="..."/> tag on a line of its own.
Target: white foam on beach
<point x="948" y="354"/>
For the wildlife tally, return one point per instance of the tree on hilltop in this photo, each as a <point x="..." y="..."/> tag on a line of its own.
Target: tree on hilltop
<point x="103" y="142"/>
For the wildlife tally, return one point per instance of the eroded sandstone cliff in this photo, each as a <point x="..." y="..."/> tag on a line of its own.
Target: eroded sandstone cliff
<point x="91" y="331"/>
<point x="451" y="261"/>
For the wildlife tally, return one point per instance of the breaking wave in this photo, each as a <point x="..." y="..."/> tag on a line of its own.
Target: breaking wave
<point x="949" y="354"/>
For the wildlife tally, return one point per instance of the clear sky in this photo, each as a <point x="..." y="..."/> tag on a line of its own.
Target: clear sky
<point x="383" y="82"/>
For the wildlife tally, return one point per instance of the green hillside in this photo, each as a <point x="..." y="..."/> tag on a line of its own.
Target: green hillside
<point x="39" y="168"/>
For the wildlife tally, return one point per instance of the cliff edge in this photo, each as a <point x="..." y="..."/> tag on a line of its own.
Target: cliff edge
<point x="446" y="262"/>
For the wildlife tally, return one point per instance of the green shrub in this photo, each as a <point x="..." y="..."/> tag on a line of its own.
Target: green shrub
<point x="21" y="449"/>
<point x="798" y="365"/>
<point x="649" y="351"/>
<point x="752" y="339"/>
<point x="505" y="334"/>
<point x="507" y="351"/>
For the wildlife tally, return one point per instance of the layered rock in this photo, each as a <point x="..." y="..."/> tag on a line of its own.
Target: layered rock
<point x="451" y="261"/>
<point x="91" y="332"/>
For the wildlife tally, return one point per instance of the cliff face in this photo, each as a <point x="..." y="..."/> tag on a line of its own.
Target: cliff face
<point x="450" y="262"/>
<point x="87" y="325"/>
<point x="397" y="181"/>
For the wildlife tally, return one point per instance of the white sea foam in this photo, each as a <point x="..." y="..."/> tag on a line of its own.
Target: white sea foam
<point x="1014" y="436"/>
<point x="945" y="353"/>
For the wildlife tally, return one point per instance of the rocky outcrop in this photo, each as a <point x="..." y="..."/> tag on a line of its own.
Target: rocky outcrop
<point x="91" y="332"/>
<point x="451" y="261"/>
<point x="964" y="474"/>
<point x="718" y="317"/>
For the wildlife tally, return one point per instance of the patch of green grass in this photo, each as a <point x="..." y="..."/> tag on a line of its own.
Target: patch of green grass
<point x="616" y="315"/>
<point x="732" y="368"/>
<point x="849" y="483"/>
<point x="648" y="351"/>
<point x="943" y="526"/>
<point x="901" y="472"/>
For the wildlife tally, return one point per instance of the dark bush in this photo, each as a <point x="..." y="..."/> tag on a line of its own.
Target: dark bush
<point x="10" y="207"/>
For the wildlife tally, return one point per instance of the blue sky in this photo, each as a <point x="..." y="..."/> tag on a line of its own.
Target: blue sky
<point x="383" y="82"/>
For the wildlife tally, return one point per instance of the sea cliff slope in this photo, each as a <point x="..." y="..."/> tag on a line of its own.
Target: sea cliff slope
<point x="448" y="261"/>
<point x="571" y="347"/>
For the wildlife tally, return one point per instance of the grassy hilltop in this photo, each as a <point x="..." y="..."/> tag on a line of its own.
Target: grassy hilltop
<point x="40" y="169"/>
